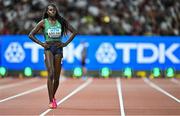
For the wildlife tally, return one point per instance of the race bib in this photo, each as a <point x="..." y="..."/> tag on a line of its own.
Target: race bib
<point x="54" y="32"/>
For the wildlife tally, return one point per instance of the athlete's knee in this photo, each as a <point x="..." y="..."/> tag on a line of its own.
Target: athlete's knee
<point x="51" y="73"/>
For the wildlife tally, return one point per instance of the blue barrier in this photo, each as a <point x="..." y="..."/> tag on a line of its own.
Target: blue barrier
<point x="115" y="52"/>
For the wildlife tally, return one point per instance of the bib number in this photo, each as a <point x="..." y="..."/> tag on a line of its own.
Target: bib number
<point x="54" y="32"/>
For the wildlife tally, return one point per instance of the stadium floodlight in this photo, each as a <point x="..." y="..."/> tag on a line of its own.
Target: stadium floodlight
<point x="127" y="72"/>
<point x="77" y="72"/>
<point x="156" y="72"/>
<point x="105" y="72"/>
<point x="170" y="72"/>
<point x="28" y="71"/>
<point x="3" y="71"/>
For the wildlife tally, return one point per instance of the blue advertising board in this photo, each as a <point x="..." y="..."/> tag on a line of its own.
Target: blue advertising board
<point x="115" y="52"/>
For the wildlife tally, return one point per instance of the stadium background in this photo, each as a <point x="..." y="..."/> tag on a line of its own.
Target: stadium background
<point x="149" y="27"/>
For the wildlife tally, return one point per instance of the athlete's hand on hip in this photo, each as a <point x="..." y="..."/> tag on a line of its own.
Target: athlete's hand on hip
<point x="45" y="45"/>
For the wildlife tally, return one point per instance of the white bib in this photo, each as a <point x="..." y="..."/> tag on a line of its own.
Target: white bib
<point x="54" y="32"/>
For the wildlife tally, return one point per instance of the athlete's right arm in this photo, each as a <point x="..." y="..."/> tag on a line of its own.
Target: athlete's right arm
<point x="34" y="31"/>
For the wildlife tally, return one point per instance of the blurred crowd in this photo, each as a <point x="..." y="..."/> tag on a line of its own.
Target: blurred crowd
<point x="107" y="17"/>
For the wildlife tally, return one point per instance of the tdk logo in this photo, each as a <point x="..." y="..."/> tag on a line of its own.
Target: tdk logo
<point x="71" y="52"/>
<point x="15" y="52"/>
<point x="159" y="52"/>
<point x="106" y="52"/>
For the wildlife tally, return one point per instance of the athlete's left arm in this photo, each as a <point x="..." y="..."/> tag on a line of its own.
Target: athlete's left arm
<point x="73" y="34"/>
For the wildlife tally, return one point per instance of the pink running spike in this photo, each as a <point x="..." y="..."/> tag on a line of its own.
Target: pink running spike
<point x="54" y="103"/>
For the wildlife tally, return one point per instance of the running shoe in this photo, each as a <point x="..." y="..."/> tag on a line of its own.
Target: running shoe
<point x="54" y="103"/>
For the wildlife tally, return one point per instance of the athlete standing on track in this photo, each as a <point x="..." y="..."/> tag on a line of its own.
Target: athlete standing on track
<point x="53" y="27"/>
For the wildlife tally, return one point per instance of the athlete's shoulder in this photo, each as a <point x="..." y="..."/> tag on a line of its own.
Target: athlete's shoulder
<point x="41" y="23"/>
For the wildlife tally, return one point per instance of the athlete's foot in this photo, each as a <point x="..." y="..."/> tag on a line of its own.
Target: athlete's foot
<point x="52" y="105"/>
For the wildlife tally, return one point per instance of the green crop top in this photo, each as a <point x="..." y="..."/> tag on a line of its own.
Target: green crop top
<point x="52" y="32"/>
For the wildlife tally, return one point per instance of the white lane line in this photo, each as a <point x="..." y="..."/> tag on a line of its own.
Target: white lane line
<point x="160" y="89"/>
<point x="26" y="92"/>
<point x="18" y="84"/>
<point x="175" y="81"/>
<point x="118" y="83"/>
<point x="69" y="95"/>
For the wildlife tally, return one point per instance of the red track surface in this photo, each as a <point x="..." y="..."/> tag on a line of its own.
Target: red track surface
<point x="98" y="97"/>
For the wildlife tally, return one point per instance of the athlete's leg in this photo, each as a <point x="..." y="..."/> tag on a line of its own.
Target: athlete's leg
<point x="49" y="60"/>
<point x="57" y="67"/>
